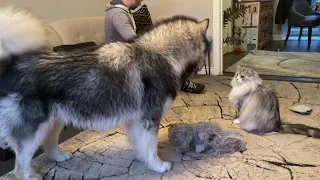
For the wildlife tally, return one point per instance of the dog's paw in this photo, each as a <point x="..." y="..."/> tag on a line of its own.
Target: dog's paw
<point x="35" y="177"/>
<point x="162" y="167"/>
<point x="62" y="156"/>
<point x="236" y="121"/>
<point x="140" y="158"/>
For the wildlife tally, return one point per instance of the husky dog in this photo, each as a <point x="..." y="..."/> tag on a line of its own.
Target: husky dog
<point x="128" y="83"/>
<point x="257" y="106"/>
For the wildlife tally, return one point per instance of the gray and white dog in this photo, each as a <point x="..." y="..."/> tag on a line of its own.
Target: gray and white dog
<point x="257" y="106"/>
<point x="128" y="83"/>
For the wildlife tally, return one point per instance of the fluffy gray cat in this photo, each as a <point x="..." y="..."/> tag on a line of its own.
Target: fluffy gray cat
<point x="257" y="106"/>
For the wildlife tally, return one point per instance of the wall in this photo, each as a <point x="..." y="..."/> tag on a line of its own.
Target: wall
<point x="51" y="10"/>
<point x="227" y="31"/>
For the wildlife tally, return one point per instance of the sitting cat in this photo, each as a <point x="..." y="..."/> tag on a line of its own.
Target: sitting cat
<point x="257" y="106"/>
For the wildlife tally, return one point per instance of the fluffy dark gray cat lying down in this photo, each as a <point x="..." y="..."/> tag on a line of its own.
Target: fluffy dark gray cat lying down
<point x="205" y="137"/>
<point x="257" y="106"/>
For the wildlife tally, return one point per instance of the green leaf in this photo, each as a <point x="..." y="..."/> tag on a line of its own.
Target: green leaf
<point x="230" y="13"/>
<point x="231" y="40"/>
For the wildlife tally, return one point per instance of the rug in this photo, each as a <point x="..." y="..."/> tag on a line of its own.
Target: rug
<point x="296" y="64"/>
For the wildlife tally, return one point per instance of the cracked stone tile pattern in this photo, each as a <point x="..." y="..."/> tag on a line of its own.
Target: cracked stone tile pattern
<point x="107" y="155"/>
<point x="301" y="64"/>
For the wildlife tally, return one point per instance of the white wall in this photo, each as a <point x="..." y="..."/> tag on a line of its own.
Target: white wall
<point x="51" y="10"/>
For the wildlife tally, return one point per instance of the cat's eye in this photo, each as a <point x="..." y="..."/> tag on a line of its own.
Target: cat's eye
<point x="241" y="77"/>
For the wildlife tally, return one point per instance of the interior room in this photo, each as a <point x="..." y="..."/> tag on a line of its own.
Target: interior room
<point x="127" y="90"/>
<point x="284" y="45"/>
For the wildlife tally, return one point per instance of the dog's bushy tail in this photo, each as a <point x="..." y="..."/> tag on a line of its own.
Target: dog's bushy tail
<point x="300" y="129"/>
<point x="20" y="32"/>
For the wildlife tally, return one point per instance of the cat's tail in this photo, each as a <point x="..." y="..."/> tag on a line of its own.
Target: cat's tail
<point x="299" y="129"/>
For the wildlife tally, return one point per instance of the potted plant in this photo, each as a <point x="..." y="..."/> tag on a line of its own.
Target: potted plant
<point x="229" y="15"/>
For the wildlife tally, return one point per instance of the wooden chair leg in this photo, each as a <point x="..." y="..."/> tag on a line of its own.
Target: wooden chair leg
<point x="309" y="35"/>
<point x="301" y="29"/>
<point x="288" y="34"/>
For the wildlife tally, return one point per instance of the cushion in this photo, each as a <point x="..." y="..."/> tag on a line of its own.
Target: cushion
<point x="72" y="47"/>
<point x="142" y="18"/>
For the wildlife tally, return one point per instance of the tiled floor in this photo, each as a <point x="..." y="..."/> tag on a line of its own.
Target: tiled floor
<point x="278" y="156"/>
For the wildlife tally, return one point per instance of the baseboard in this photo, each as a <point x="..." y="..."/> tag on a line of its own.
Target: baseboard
<point x="203" y="71"/>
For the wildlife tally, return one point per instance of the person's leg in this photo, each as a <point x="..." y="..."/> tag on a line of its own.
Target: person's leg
<point x="191" y="87"/>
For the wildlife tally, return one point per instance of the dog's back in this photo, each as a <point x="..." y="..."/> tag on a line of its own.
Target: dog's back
<point x="132" y="84"/>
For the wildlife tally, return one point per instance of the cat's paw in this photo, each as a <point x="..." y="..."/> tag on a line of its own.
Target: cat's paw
<point x="236" y="121"/>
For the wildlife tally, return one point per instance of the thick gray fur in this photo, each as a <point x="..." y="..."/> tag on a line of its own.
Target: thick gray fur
<point x="257" y="106"/>
<point x="128" y="83"/>
<point x="205" y="137"/>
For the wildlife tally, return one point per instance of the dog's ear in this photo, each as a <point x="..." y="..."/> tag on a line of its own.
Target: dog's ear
<point x="204" y="25"/>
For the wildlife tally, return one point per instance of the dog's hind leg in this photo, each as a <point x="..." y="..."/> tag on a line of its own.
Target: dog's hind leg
<point x="145" y="143"/>
<point x="25" y="149"/>
<point x="51" y="143"/>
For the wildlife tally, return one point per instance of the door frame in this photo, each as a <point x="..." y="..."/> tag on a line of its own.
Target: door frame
<point x="217" y="50"/>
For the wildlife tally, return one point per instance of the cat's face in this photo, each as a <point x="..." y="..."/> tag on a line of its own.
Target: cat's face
<point x="245" y="75"/>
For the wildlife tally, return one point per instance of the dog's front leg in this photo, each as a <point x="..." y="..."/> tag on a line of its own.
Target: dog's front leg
<point x="144" y="139"/>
